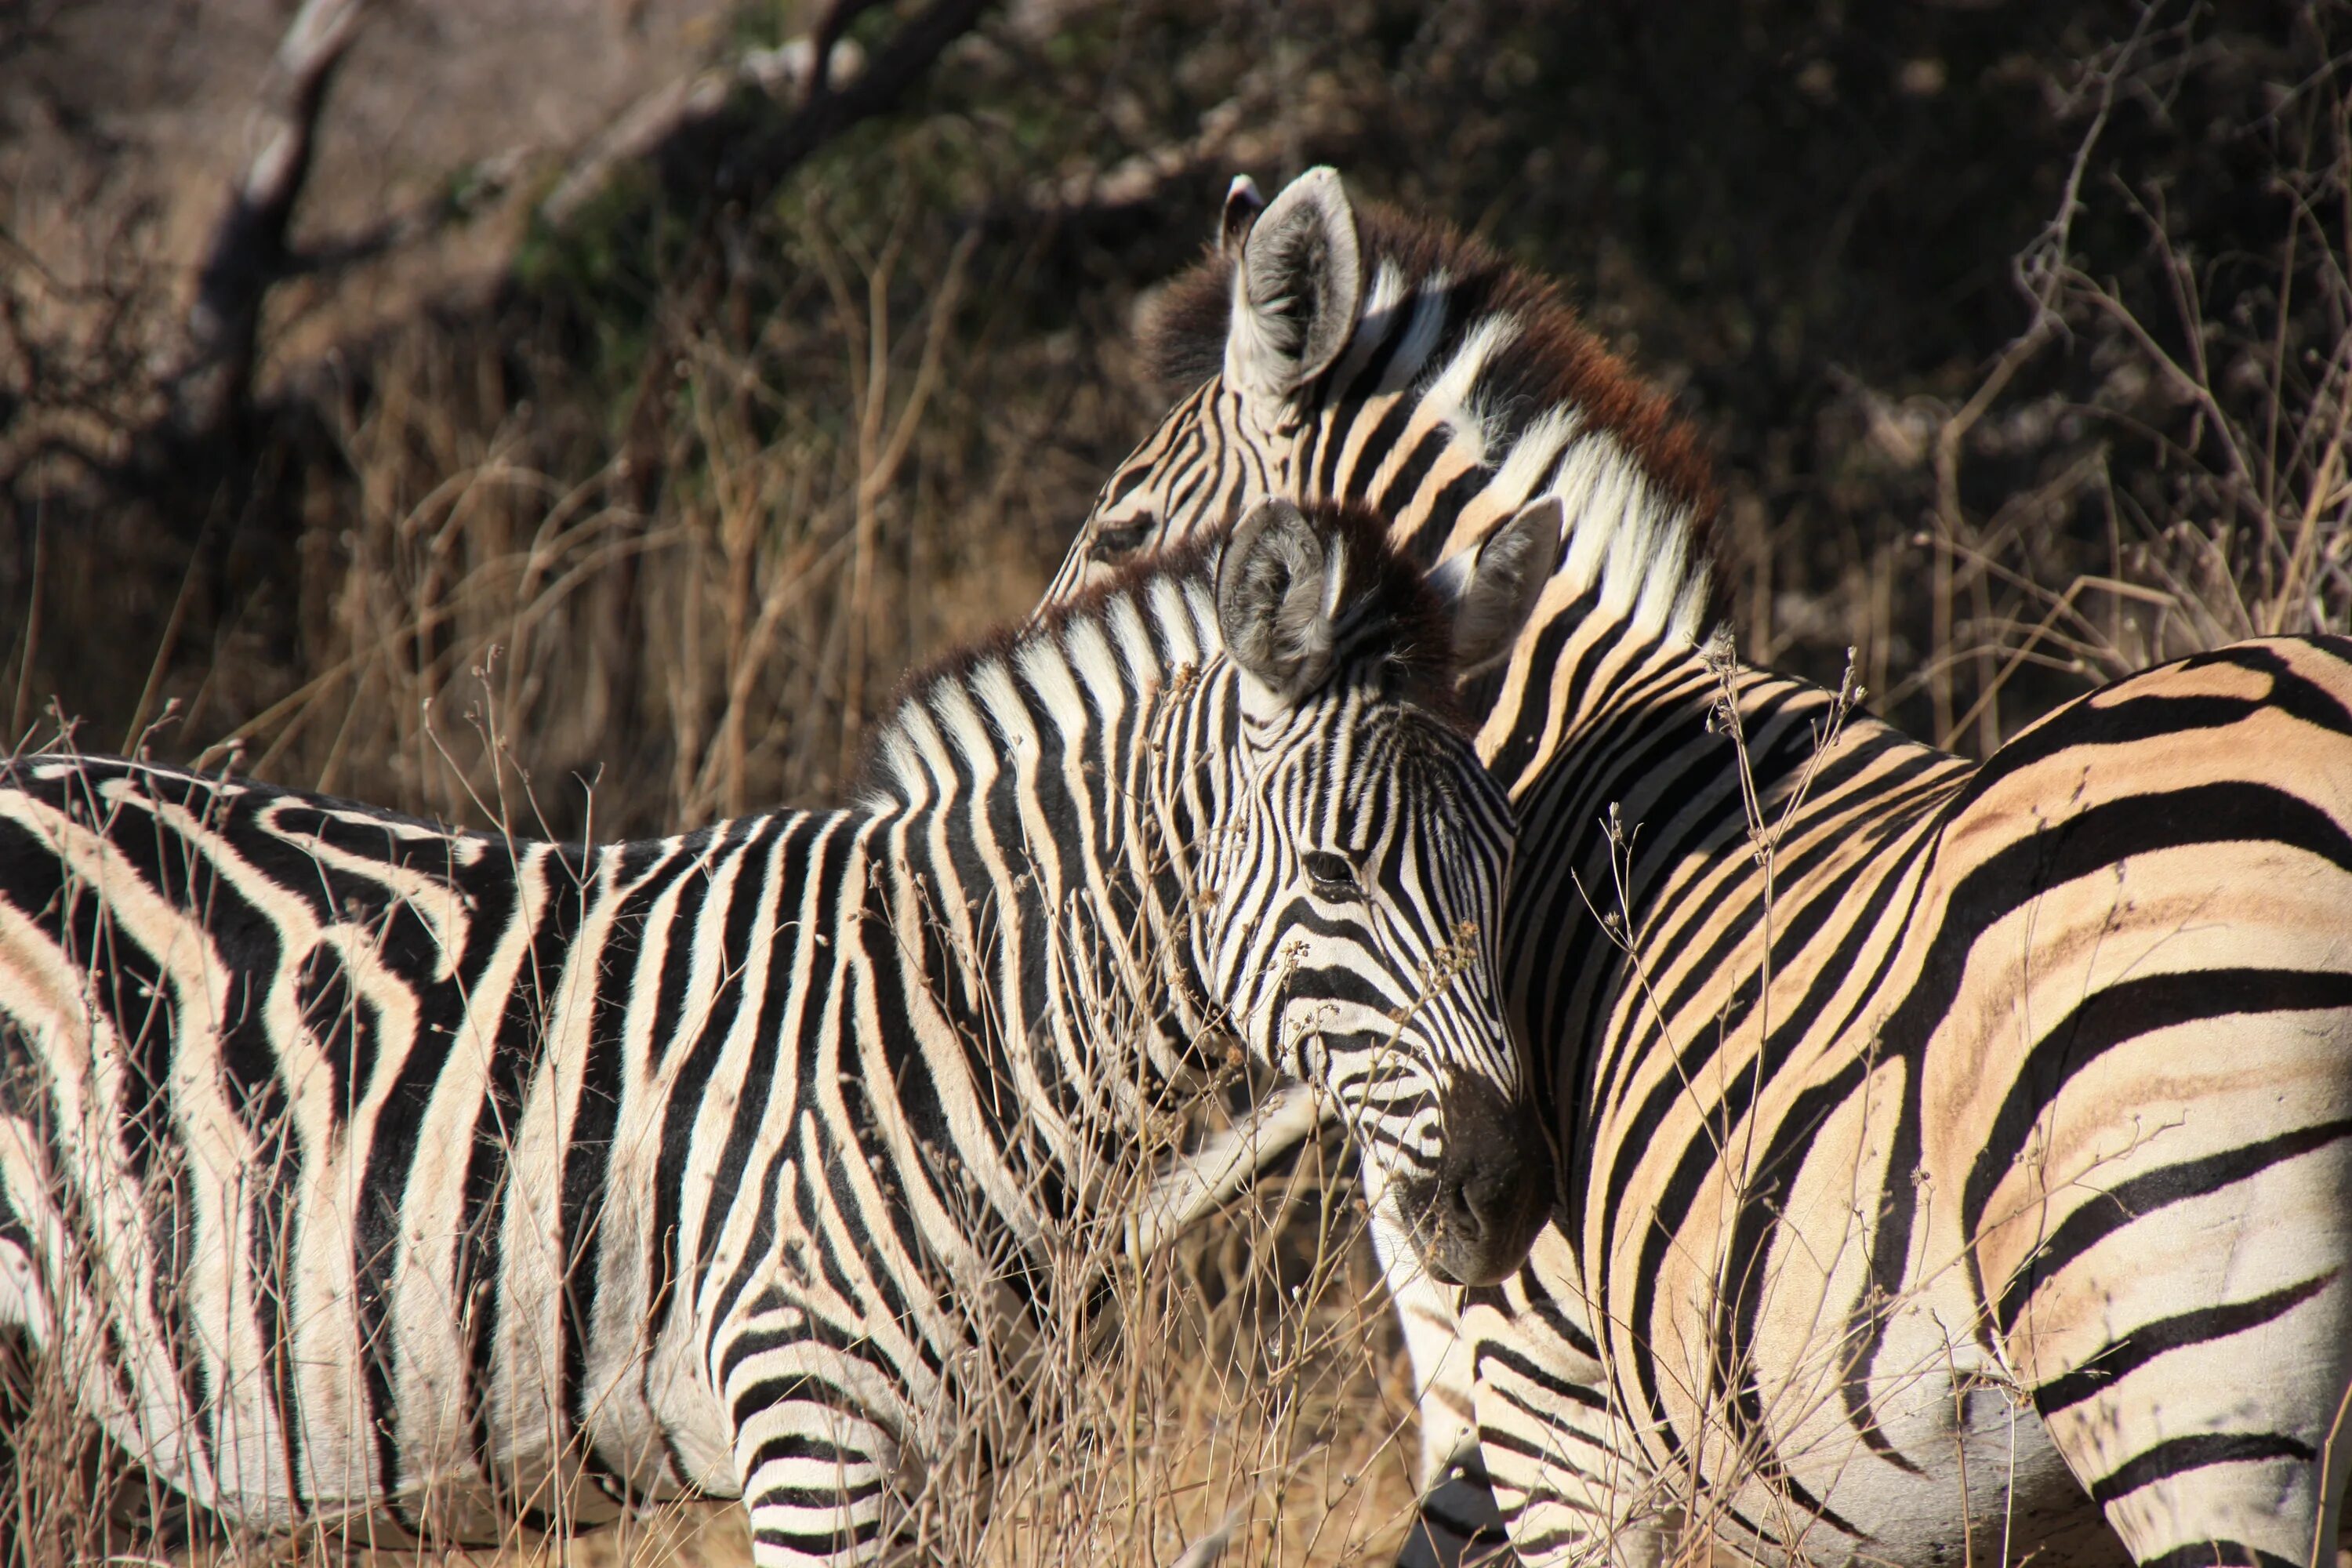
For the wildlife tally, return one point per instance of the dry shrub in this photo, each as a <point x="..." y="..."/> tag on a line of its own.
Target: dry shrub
<point x="2219" y="477"/>
<point x="2150" y="461"/>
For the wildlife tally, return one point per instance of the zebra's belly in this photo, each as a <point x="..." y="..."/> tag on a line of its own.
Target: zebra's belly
<point x="231" y="1456"/>
<point x="233" y="1460"/>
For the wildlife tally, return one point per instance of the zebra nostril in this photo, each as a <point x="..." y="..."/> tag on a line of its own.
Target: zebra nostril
<point x="1482" y="1204"/>
<point x="1461" y="1212"/>
<point x="1480" y="1208"/>
<point x="1480" y="1200"/>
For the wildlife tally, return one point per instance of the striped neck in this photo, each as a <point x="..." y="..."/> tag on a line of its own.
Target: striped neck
<point x="1672" y="770"/>
<point x="1036" y="807"/>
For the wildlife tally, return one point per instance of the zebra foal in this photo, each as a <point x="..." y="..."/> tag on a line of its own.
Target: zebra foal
<point x="1974" y="1172"/>
<point x="370" y="1169"/>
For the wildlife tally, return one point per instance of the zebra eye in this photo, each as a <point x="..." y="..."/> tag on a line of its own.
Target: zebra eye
<point x="1332" y="876"/>
<point x="1110" y="544"/>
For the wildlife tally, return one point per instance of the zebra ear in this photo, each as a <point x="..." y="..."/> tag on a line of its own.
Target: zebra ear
<point x="1494" y="587"/>
<point x="1297" y="283"/>
<point x="1278" y="589"/>
<point x="1243" y="204"/>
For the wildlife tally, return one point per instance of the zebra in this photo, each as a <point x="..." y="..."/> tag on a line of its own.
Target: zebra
<point x="1952" y="1158"/>
<point x="464" y="1183"/>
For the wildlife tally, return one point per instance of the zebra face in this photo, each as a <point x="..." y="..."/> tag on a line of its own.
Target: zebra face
<point x="1349" y="920"/>
<point x="1204" y="466"/>
<point x="1377" y="954"/>
<point x="1286" y="312"/>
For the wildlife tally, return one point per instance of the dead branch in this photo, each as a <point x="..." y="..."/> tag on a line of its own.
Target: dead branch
<point x="757" y="166"/>
<point x="248" y="252"/>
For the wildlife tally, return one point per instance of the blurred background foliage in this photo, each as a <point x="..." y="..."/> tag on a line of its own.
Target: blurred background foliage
<point x="2017" y="329"/>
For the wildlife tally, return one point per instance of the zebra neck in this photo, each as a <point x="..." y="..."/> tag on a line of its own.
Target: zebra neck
<point x="1048" y="931"/>
<point x="1654" y="805"/>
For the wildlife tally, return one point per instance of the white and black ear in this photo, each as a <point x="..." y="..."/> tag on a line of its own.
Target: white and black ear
<point x="1494" y="587"/>
<point x="1243" y="204"/>
<point x="1298" y="282"/>
<point x="1279" y="586"/>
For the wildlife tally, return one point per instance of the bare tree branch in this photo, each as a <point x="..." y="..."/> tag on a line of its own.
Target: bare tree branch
<point x="749" y="171"/>
<point x="249" y="251"/>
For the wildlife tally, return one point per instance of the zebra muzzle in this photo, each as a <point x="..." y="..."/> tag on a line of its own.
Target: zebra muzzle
<point x="1474" y="1219"/>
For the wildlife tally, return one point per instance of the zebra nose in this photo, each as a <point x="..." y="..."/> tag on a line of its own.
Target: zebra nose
<point x="1492" y="1190"/>
<point x="1482" y="1199"/>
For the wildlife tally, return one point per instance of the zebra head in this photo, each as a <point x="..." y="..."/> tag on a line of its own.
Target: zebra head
<point x="1294" y="286"/>
<point x="1345" y="913"/>
<point x="1364" y="355"/>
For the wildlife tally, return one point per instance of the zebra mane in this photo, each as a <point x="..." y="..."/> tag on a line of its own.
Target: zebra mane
<point x="1395" y="632"/>
<point x="1512" y="352"/>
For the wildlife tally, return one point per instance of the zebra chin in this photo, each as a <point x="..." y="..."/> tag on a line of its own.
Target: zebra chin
<point x="1474" y="1218"/>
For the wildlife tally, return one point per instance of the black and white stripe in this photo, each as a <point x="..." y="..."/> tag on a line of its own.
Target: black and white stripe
<point x="1976" y="1178"/>
<point x="356" y="1167"/>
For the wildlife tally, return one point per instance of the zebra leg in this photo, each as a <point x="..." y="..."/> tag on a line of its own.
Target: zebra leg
<point x="822" y="1479"/>
<point x="1570" y="1483"/>
<point x="1456" y="1522"/>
